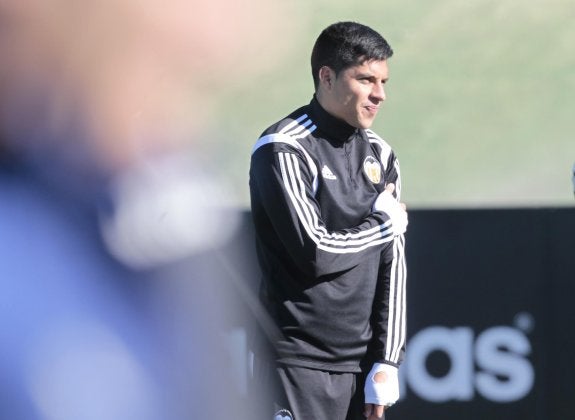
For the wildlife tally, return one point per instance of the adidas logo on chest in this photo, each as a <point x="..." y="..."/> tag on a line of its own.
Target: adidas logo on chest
<point x="326" y="173"/>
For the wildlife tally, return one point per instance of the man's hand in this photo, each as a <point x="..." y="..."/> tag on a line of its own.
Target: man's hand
<point x="387" y="203"/>
<point x="381" y="390"/>
<point x="374" y="412"/>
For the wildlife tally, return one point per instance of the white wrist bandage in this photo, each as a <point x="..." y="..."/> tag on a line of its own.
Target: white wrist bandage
<point x="386" y="203"/>
<point x="384" y="393"/>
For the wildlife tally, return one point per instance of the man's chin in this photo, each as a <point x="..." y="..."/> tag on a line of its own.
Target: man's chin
<point x="365" y="124"/>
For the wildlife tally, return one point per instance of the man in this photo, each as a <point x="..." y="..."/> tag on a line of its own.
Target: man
<point x="329" y="234"/>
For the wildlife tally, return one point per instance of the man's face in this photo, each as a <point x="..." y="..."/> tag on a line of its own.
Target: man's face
<point x="356" y="94"/>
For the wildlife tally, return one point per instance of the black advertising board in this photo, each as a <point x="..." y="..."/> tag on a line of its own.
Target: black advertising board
<point x="491" y="315"/>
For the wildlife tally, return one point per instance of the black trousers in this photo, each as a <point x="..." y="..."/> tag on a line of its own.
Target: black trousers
<point x="307" y="394"/>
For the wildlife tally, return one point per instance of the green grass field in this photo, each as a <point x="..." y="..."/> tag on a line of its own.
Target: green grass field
<point x="481" y="101"/>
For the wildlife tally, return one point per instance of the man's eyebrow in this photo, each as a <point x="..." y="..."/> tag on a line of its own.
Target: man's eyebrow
<point x="367" y="75"/>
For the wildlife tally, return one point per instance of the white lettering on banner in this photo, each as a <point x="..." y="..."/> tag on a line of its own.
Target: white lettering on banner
<point x="508" y="364"/>
<point x="457" y="344"/>
<point x="505" y="374"/>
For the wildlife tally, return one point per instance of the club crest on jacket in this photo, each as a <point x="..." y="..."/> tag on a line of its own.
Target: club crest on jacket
<point x="372" y="169"/>
<point x="283" y="414"/>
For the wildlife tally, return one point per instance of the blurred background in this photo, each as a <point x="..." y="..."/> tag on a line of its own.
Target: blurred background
<point x="127" y="273"/>
<point x="479" y="101"/>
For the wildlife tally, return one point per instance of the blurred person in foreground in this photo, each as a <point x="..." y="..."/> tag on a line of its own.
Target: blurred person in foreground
<point x="329" y="225"/>
<point x="112" y="303"/>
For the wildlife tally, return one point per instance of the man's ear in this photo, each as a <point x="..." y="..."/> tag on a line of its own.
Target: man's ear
<point x="326" y="77"/>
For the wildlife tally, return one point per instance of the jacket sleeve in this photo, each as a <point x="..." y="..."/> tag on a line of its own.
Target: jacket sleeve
<point x="282" y="189"/>
<point x="389" y="307"/>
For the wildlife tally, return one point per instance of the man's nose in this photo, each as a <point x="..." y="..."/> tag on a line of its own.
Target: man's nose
<point x="378" y="92"/>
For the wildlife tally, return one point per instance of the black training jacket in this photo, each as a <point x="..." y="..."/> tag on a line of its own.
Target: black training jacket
<point x="333" y="272"/>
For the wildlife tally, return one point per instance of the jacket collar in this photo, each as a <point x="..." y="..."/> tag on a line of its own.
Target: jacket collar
<point x="333" y="127"/>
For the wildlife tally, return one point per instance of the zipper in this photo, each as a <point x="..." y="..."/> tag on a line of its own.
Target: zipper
<point x="347" y="154"/>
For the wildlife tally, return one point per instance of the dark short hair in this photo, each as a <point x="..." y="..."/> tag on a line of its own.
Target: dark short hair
<point x="346" y="44"/>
